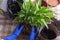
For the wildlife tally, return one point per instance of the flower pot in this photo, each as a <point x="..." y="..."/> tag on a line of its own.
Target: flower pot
<point x="50" y="33"/>
<point x="12" y="8"/>
<point x="52" y="2"/>
<point x="48" y="2"/>
<point x="3" y="5"/>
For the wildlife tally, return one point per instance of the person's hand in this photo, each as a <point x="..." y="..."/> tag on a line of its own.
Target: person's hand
<point x="16" y="33"/>
<point x="34" y="34"/>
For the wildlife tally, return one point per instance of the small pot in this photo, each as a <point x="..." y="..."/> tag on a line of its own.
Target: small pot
<point x="50" y="33"/>
<point x="52" y="2"/>
<point x="12" y="8"/>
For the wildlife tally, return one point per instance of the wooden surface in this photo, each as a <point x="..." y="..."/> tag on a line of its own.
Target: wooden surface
<point x="6" y="26"/>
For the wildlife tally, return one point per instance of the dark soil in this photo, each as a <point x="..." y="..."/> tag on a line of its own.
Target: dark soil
<point x="48" y="34"/>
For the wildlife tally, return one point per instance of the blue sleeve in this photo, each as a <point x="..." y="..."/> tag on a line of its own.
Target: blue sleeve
<point x="18" y="30"/>
<point x="33" y="34"/>
<point x="15" y="33"/>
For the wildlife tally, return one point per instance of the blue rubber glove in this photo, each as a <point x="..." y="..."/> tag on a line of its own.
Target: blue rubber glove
<point x="33" y="34"/>
<point x="16" y="33"/>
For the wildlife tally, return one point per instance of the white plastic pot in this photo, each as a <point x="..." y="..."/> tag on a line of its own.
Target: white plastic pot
<point x="56" y="9"/>
<point x="3" y="5"/>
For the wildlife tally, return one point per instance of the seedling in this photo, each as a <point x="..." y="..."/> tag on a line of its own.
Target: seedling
<point x="35" y="14"/>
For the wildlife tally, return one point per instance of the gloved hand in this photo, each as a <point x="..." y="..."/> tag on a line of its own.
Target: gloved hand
<point x="33" y="34"/>
<point x="15" y="34"/>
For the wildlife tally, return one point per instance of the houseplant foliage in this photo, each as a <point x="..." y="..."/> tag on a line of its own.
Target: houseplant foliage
<point x="35" y="14"/>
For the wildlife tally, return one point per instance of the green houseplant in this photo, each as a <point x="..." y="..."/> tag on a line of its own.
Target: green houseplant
<point x="35" y="14"/>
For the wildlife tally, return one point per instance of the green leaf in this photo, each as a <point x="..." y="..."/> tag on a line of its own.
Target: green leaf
<point x="35" y="14"/>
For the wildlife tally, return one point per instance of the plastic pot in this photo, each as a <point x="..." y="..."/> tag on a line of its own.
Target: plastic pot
<point x="12" y="8"/>
<point x="50" y="33"/>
